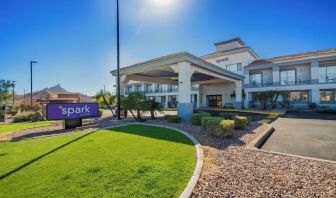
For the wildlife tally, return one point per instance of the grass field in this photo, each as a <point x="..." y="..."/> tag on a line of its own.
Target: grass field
<point x="6" y="128"/>
<point x="129" y="161"/>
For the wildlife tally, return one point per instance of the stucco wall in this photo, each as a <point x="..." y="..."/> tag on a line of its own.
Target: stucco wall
<point x="244" y="58"/>
<point x="218" y="89"/>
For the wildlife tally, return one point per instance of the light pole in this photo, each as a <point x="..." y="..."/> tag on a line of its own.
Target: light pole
<point x="118" y="65"/>
<point x="31" y="83"/>
<point x="13" y="86"/>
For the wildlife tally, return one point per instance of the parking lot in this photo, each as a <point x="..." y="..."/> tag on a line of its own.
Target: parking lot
<point x="306" y="134"/>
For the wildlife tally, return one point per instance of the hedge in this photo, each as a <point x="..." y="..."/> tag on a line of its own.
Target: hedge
<point x="220" y="128"/>
<point x="240" y="122"/>
<point x="204" y="120"/>
<point x="196" y="117"/>
<point x="29" y="116"/>
<point x="228" y="116"/>
<point x="174" y="119"/>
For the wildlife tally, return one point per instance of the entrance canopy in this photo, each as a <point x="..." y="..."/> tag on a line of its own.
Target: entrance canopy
<point x="182" y="69"/>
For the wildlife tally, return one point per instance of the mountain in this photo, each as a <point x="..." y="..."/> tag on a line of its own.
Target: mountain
<point x="57" y="89"/>
<point x="42" y="94"/>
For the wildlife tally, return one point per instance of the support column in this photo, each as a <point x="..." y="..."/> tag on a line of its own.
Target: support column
<point x="238" y="91"/>
<point x="123" y="82"/>
<point x="184" y="106"/>
<point x="247" y="78"/>
<point x="247" y="99"/>
<point x="314" y="72"/>
<point x="276" y="76"/>
<point x="166" y="103"/>
<point x="198" y="100"/>
<point x="315" y="96"/>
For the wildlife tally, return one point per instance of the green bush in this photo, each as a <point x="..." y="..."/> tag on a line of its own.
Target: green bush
<point x="174" y="119"/>
<point x="228" y="116"/>
<point x="100" y="112"/>
<point x="240" y="122"/>
<point x="196" y="117"/>
<point x="220" y="128"/>
<point x="327" y="111"/>
<point x="204" y="120"/>
<point x="29" y="116"/>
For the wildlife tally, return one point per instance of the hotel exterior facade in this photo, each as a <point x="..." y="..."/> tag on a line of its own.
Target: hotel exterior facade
<point x="232" y="75"/>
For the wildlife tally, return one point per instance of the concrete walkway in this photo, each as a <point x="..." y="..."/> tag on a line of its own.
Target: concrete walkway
<point x="306" y="134"/>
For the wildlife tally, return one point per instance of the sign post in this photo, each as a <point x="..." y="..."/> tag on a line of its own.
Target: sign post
<point x="71" y="113"/>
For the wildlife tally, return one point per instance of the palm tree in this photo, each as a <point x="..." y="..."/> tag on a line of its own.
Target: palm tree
<point x="152" y="106"/>
<point x="135" y="101"/>
<point x="105" y="98"/>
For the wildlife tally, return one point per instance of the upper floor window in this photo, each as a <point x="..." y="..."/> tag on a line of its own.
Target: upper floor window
<point x="137" y="88"/>
<point x="327" y="74"/>
<point x="129" y="88"/>
<point x="148" y="88"/>
<point x="328" y="95"/>
<point x="288" y="77"/>
<point x="255" y="79"/>
<point x="234" y="67"/>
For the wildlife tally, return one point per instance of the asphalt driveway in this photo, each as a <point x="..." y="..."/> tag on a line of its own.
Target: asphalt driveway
<point x="306" y="134"/>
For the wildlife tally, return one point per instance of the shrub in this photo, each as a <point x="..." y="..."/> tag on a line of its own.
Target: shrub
<point x="240" y="122"/>
<point x="29" y="116"/>
<point x="100" y="112"/>
<point x="228" y="116"/>
<point x="174" y="119"/>
<point x="327" y="111"/>
<point x="204" y="120"/>
<point x="220" y="128"/>
<point x="196" y="117"/>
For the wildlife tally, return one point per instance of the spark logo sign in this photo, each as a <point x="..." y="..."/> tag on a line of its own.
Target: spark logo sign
<point x="71" y="111"/>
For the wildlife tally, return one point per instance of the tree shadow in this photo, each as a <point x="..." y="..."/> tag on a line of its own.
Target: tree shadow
<point x="155" y="132"/>
<point x="42" y="156"/>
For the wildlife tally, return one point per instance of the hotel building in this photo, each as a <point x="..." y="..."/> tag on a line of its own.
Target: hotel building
<point x="231" y="76"/>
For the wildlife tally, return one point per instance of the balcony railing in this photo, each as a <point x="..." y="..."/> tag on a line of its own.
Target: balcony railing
<point x="282" y="83"/>
<point x="163" y="90"/>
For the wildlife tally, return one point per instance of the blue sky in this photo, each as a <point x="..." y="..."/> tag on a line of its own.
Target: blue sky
<point x="74" y="41"/>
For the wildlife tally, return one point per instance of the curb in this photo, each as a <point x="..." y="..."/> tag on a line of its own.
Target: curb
<point x="254" y="145"/>
<point x="187" y="192"/>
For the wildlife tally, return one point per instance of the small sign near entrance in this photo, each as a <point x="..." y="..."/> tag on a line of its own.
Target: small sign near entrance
<point x="71" y="111"/>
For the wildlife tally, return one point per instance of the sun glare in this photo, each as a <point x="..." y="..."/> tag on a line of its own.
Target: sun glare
<point x="163" y="3"/>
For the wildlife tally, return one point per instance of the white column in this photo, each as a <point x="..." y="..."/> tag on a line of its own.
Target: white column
<point x="276" y="76"/>
<point x="198" y="100"/>
<point x="315" y="72"/>
<point x="238" y="91"/>
<point x="184" y="107"/>
<point x="315" y="96"/>
<point x="247" y="99"/>
<point x="166" y="103"/>
<point x="247" y="78"/>
<point x="123" y="82"/>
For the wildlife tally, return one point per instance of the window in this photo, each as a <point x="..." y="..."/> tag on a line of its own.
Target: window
<point x="255" y="80"/>
<point x="234" y="67"/>
<point x="129" y="88"/>
<point x="148" y="88"/>
<point x="288" y="77"/>
<point x="214" y="100"/>
<point x="296" y="96"/>
<point x="327" y="74"/>
<point x="137" y="88"/>
<point x="328" y="95"/>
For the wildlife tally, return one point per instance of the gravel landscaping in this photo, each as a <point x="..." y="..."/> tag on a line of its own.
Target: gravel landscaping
<point x="231" y="170"/>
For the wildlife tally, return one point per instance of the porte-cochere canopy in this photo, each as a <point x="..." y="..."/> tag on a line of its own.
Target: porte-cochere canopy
<point x="182" y="69"/>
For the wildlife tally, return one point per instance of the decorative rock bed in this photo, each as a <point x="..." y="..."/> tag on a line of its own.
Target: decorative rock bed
<point x="231" y="170"/>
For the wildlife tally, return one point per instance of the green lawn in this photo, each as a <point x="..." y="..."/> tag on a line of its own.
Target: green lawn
<point x="6" y="128"/>
<point x="129" y="161"/>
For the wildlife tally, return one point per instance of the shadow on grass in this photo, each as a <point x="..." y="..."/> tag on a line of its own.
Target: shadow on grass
<point x="156" y="132"/>
<point x="43" y="155"/>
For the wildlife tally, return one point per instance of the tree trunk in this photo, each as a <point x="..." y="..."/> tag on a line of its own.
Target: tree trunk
<point x="152" y="115"/>
<point x="133" y="114"/>
<point x="108" y="106"/>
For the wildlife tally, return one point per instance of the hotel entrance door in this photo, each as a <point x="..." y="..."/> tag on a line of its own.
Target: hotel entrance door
<point x="214" y="100"/>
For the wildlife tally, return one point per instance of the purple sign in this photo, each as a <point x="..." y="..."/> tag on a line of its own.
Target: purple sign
<point x="71" y="110"/>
